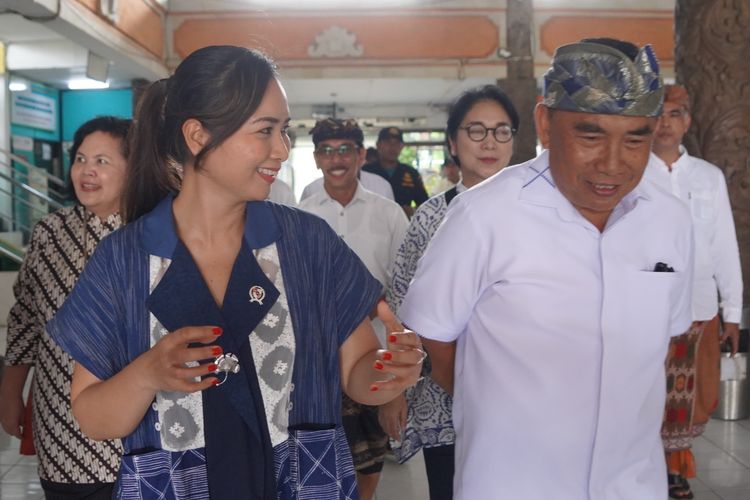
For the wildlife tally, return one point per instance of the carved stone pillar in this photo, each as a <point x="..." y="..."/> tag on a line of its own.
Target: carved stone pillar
<point x="712" y="60"/>
<point x="520" y="85"/>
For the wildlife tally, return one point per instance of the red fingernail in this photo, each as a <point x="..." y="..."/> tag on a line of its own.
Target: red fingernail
<point x="217" y="330"/>
<point x="373" y="388"/>
<point x="387" y="356"/>
<point x="216" y="351"/>
<point x="392" y="338"/>
<point x="378" y="365"/>
<point x="212" y="367"/>
<point x="215" y="381"/>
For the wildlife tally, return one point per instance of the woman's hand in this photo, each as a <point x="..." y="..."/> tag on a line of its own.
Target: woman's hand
<point x="401" y="362"/>
<point x="12" y="406"/>
<point x="11" y="414"/>
<point x="163" y="367"/>
<point x="392" y="417"/>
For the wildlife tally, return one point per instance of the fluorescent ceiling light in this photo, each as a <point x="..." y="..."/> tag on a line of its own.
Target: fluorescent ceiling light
<point x="86" y="84"/>
<point x="17" y="86"/>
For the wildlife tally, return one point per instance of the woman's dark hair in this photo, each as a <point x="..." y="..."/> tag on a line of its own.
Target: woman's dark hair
<point x="118" y="128"/>
<point x="221" y="87"/>
<point x="467" y="100"/>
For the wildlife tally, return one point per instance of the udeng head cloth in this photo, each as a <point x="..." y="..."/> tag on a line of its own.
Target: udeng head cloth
<point x="594" y="78"/>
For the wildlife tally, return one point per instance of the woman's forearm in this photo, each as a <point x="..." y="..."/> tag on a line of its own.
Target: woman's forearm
<point x="112" y="408"/>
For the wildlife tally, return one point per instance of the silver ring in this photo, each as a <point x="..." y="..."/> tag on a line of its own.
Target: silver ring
<point x="423" y="353"/>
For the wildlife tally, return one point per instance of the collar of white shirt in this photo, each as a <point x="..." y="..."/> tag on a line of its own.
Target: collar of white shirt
<point x="539" y="188"/>
<point x="682" y="161"/>
<point x="359" y="196"/>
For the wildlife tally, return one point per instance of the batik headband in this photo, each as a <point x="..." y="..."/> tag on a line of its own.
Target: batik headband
<point x="594" y="78"/>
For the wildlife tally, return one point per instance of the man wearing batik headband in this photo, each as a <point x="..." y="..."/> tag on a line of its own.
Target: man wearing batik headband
<point x="695" y="355"/>
<point x="548" y="276"/>
<point x="374" y="228"/>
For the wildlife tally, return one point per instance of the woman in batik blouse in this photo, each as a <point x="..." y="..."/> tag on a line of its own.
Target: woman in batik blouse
<point x="70" y="464"/>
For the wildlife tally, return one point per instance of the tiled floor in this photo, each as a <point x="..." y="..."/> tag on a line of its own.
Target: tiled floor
<point x="722" y="455"/>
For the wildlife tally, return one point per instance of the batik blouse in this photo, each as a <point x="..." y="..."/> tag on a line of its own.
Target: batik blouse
<point x="60" y="245"/>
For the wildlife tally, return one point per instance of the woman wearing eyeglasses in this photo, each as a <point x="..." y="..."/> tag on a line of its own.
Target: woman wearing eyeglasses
<point x="480" y="129"/>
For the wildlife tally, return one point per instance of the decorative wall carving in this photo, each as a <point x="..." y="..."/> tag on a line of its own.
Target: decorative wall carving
<point x="335" y="42"/>
<point x="711" y="58"/>
<point x="288" y="38"/>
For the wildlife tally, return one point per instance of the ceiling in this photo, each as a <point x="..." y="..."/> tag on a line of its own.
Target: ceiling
<point x="377" y="95"/>
<point x="53" y="52"/>
<point x="37" y="52"/>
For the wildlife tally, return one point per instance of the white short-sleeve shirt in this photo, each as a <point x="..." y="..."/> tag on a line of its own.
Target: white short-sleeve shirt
<point x="562" y="333"/>
<point x="703" y="188"/>
<point x="371" y="225"/>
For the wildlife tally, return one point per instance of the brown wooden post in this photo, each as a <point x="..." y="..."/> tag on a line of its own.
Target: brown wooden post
<point x="712" y="60"/>
<point x="520" y="85"/>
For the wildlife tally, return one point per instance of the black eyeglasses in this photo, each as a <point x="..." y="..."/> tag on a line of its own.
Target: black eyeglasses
<point x="344" y="151"/>
<point x="477" y="132"/>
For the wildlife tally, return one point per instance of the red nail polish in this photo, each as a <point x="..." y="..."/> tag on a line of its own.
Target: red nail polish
<point x="215" y="381"/>
<point x="392" y="338"/>
<point x="378" y="365"/>
<point x="216" y="351"/>
<point x="216" y="330"/>
<point x="212" y="367"/>
<point x="387" y="356"/>
<point x="373" y="388"/>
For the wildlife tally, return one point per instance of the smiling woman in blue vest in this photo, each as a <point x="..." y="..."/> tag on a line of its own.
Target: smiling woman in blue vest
<point x="215" y="331"/>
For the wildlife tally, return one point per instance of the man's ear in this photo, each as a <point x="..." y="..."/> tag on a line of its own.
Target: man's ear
<point x="541" y="120"/>
<point x="196" y="137"/>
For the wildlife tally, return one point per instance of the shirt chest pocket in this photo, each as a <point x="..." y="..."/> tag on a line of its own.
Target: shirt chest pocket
<point x="702" y="205"/>
<point x="651" y="302"/>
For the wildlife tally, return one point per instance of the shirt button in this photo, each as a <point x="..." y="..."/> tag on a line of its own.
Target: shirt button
<point x="157" y="426"/>
<point x="290" y="406"/>
<point x="155" y="407"/>
<point x="341" y="214"/>
<point x="291" y="387"/>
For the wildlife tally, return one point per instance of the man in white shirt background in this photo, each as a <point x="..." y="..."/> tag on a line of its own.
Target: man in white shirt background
<point x="374" y="228"/>
<point x="548" y="276"/>
<point x="695" y="355"/>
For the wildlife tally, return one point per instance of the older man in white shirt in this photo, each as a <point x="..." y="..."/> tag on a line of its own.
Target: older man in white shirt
<point x="547" y="275"/>
<point x="374" y="228"/>
<point x="695" y="355"/>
